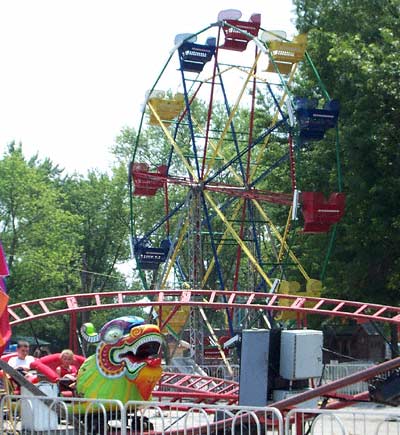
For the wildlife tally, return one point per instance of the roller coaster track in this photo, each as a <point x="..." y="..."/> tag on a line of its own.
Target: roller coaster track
<point x="181" y="387"/>
<point x="214" y="299"/>
<point x="196" y="388"/>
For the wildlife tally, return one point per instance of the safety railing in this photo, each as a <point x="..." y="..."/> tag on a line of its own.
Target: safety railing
<point x="23" y="415"/>
<point x="215" y="371"/>
<point x="365" y="421"/>
<point x="47" y="415"/>
<point x="333" y="372"/>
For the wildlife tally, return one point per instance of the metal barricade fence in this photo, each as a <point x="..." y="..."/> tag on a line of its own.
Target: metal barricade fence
<point x="23" y="415"/>
<point x="333" y="372"/>
<point x="28" y="415"/>
<point x="352" y="421"/>
<point x="189" y="418"/>
<point x="220" y="371"/>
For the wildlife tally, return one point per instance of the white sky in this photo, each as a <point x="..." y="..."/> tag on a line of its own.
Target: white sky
<point x="74" y="72"/>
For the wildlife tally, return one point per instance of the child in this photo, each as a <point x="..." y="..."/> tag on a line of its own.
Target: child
<point x="67" y="370"/>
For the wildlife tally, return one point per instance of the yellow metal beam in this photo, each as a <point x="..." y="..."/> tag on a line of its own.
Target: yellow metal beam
<point x="236" y="236"/>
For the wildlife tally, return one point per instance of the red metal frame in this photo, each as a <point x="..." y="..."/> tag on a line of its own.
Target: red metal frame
<point x="215" y="299"/>
<point x="147" y="183"/>
<point x="183" y="387"/>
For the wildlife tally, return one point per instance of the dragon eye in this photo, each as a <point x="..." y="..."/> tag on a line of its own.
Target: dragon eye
<point x="113" y="334"/>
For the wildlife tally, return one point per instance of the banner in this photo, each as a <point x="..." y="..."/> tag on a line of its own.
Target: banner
<point x="5" y="329"/>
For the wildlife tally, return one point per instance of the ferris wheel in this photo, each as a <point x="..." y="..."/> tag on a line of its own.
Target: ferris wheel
<point x="217" y="201"/>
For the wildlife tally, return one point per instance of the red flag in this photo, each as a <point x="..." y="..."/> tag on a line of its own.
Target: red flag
<point x="5" y="329"/>
<point x="3" y="263"/>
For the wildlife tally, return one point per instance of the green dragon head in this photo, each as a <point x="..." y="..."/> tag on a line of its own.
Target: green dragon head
<point x="127" y="363"/>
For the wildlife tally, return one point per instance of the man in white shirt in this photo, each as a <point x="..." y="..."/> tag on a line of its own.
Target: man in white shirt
<point x="23" y="360"/>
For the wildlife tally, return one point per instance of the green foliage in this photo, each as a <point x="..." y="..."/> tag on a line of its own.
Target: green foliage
<point x="40" y="237"/>
<point x="61" y="234"/>
<point x="102" y="203"/>
<point x="67" y="234"/>
<point x="355" y="45"/>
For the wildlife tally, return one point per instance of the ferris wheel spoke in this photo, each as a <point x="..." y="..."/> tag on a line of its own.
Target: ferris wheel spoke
<point x="281" y="240"/>
<point x="221" y="244"/>
<point x="175" y="146"/>
<point x="162" y="221"/>
<point x="191" y="130"/>
<point x="232" y="112"/>
<point x="273" y="122"/>
<point x="215" y="258"/>
<point x="222" y="156"/>
<point x="285" y="235"/>
<point x="228" y="124"/>
<point x="238" y="239"/>
<point x="244" y="151"/>
<point x="176" y="243"/>
<point x="174" y="257"/>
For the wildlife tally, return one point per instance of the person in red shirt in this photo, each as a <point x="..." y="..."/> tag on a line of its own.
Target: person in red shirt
<point x="67" y="371"/>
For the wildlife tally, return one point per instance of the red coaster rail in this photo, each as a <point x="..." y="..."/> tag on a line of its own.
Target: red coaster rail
<point x="215" y="299"/>
<point x="182" y="387"/>
<point x="196" y="388"/>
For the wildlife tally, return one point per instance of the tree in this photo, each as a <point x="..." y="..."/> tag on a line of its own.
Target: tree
<point x="355" y="45"/>
<point x="102" y="203"/>
<point x="39" y="235"/>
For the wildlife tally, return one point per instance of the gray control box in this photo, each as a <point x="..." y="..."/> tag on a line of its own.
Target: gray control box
<point x="301" y="354"/>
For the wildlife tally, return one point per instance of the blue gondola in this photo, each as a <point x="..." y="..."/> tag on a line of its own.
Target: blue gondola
<point x="314" y="122"/>
<point x="150" y="258"/>
<point x="194" y="56"/>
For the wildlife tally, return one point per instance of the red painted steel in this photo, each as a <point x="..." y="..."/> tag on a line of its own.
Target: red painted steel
<point x="340" y="383"/>
<point x="215" y="299"/>
<point x="197" y="388"/>
<point x="235" y="38"/>
<point x="148" y="183"/>
<point x="183" y="387"/>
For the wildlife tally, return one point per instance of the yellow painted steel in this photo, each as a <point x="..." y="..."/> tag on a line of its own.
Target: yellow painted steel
<point x="311" y="283"/>
<point x="274" y="120"/>
<point x="236" y="236"/>
<point x="215" y="338"/>
<point x="218" y="152"/>
<point x="220" y="245"/>
<point x="314" y="287"/>
<point x="294" y="288"/>
<point x="280" y="238"/>
<point x="173" y="143"/>
<point x="232" y="114"/>
<point x="175" y="253"/>
<point x="178" y="320"/>
<point x="285" y="234"/>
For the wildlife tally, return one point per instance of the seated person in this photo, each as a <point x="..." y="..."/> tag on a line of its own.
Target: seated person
<point x="67" y="371"/>
<point x="22" y="361"/>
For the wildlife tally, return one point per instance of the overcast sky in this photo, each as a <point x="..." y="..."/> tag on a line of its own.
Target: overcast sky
<point x="74" y="72"/>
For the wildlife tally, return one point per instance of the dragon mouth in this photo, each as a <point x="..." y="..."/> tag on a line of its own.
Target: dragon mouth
<point x="137" y="355"/>
<point x="146" y="350"/>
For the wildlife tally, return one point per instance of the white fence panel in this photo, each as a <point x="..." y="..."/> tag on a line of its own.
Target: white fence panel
<point x="196" y="419"/>
<point x="333" y="372"/>
<point x="29" y="415"/>
<point x="354" y="421"/>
